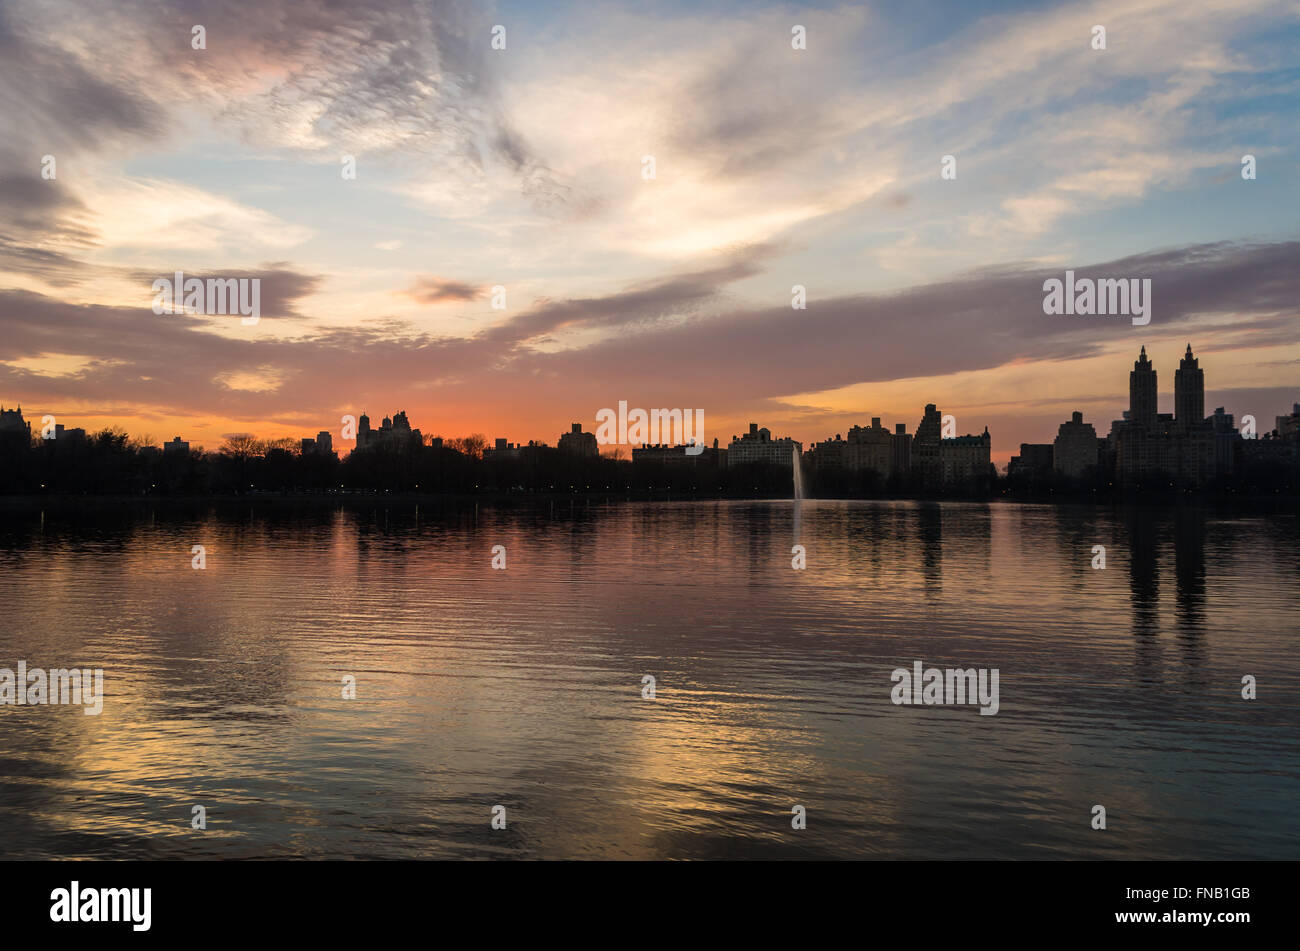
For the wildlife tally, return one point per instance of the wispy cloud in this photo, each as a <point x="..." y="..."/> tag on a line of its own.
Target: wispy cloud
<point x="436" y="290"/>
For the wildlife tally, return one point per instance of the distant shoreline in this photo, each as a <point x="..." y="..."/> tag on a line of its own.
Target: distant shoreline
<point x="28" y="502"/>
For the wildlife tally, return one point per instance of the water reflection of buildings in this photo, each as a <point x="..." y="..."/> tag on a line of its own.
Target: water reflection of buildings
<point x="1144" y="589"/>
<point x="1146" y="528"/>
<point x="929" y="529"/>
<point x="1189" y="580"/>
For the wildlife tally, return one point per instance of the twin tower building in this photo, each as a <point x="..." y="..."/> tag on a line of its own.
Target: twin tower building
<point x="1184" y="447"/>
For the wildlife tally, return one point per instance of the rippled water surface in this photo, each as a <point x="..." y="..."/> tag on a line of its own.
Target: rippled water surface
<point x="523" y="687"/>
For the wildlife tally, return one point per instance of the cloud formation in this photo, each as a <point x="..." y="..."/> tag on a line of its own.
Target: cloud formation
<point x="524" y="167"/>
<point x="435" y="290"/>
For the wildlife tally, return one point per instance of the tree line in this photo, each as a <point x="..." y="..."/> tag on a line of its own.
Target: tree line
<point x="110" y="462"/>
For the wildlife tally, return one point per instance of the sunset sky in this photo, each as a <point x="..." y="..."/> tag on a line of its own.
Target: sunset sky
<point x="522" y="167"/>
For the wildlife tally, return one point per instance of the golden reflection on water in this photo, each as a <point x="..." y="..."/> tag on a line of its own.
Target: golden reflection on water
<point x="522" y="687"/>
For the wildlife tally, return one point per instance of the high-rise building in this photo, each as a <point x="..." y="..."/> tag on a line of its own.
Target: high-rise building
<point x="1226" y="441"/>
<point x="677" y="456"/>
<point x="1189" y="392"/>
<point x="578" y="443"/>
<point x="394" y="434"/>
<point x="1182" y="447"/>
<point x="501" y="450"/>
<point x="872" y="448"/>
<point x="830" y="454"/>
<point x="965" y="460"/>
<point x="925" y="447"/>
<point x="867" y="449"/>
<point x="1034" y="462"/>
<point x="65" y="437"/>
<point x="757" y="445"/>
<point x="15" y="432"/>
<point x="1288" y="427"/>
<point x="1074" y="452"/>
<point x="901" y="445"/>
<point x="11" y="421"/>
<point x="1143" y="406"/>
